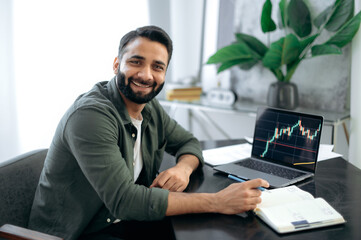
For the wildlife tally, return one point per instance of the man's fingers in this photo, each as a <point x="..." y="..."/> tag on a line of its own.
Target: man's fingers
<point x="158" y="181"/>
<point x="171" y="179"/>
<point x="181" y="188"/>
<point x="161" y="181"/>
<point x="251" y="207"/>
<point x="169" y="185"/>
<point x="255" y="183"/>
<point x="173" y="186"/>
<point x="255" y="193"/>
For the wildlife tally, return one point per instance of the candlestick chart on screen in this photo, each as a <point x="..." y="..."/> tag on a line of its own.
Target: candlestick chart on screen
<point x="287" y="138"/>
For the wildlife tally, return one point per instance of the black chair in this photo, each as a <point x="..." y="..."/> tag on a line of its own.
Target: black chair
<point x="18" y="181"/>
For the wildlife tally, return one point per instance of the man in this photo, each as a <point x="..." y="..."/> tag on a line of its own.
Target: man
<point x="100" y="175"/>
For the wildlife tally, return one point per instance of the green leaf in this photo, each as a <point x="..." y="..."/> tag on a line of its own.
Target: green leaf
<point x="321" y="19"/>
<point x="324" y="49"/>
<point x="283" y="51"/>
<point x="267" y="24"/>
<point x="282" y="9"/>
<point x="253" y="43"/>
<point x="246" y="65"/>
<point x="307" y="41"/>
<point x="231" y="52"/>
<point x="291" y="68"/>
<point x="273" y="58"/>
<point x="291" y="49"/>
<point x="228" y="64"/>
<point x="343" y="12"/>
<point x="345" y="34"/>
<point x="242" y="62"/>
<point x="299" y="18"/>
<point x="237" y="54"/>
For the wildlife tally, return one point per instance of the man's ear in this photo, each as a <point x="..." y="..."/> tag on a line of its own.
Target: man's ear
<point x="116" y="65"/>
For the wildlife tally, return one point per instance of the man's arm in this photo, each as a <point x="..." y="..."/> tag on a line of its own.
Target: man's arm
<point x="176" y="179"/>
<point x="236" y="198"/>
<point x="105" y="166"/>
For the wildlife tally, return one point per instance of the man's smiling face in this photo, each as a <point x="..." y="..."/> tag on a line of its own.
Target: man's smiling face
<point x="141" y="71"/>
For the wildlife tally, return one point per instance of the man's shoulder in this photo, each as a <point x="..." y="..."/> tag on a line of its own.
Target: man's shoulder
<point x="97" y="98"/>
<point x="95" y="94"/>
<point x="154" y="103"/>
<point x="153" y="107"/>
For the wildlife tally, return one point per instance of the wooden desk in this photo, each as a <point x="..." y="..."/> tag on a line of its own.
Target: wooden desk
<point x="336" y="180"/>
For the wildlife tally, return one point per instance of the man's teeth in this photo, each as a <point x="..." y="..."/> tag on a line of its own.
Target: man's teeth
<point x="140" y="85"/>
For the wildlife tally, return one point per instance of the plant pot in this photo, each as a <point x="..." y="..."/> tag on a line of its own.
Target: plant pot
<point x="283" y="95"/>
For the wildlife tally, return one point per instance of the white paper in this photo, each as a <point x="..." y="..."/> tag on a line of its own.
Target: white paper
<point x="233" y="153"/>
<point x="326" y="152"/>
<point x="228" y="154"/>
<point x="249" y="139"/>
<point x="285" y="208"/>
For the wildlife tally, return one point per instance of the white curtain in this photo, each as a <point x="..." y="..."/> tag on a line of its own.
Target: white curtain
<point x="8" y="121"/>
<point x="54" y="51"/>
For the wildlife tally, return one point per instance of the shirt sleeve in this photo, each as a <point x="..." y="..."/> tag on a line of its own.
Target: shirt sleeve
<point x="92" y="137"/>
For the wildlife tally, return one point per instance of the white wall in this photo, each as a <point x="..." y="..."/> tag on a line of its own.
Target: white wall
<point x="355" y="130"/>
<point x="61" y="48"/>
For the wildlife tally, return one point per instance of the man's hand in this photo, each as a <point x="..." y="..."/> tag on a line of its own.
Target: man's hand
<point x="236" y="198"/>
<point x="240" y="197"/>
<point x="176" y="179"/>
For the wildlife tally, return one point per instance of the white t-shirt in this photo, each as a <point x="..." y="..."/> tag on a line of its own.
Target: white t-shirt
<point x="138" y="160"/>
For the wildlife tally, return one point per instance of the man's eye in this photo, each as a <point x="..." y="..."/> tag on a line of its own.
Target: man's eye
<point x="134" y="61"/>
<point x="158" y="67"/>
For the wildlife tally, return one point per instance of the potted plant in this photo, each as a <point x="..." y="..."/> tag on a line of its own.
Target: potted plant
<point x="282" y="57"/>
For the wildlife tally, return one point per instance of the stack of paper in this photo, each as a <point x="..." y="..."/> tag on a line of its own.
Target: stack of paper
<point x="234" y="153"/>
<point x="224" y="155"/>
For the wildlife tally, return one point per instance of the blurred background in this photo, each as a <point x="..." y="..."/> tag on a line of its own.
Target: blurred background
<point x="51" y="51"/>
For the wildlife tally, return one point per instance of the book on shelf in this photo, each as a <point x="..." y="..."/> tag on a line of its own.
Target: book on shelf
<point x="291" y="209"/>
<point x="185" y="90"/>
<point x="184" y="93"/>
<point x="171" y="97"/>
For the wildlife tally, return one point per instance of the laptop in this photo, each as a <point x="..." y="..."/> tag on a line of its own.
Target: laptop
<point x="284" y="149"/>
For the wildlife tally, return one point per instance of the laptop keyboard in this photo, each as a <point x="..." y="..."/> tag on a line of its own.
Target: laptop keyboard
<point x="270" y="169"/>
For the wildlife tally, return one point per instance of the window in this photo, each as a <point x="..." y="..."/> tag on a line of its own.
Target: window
<point x="61" y="49"/>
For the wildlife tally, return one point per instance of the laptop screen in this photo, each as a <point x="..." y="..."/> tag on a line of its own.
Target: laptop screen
<point x="287" y="138"/>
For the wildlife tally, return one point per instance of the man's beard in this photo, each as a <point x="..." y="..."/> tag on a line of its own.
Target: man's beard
<point x="131" y="95"/>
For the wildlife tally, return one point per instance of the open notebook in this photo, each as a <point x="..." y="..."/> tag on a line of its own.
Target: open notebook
<point x="291" y="209"/>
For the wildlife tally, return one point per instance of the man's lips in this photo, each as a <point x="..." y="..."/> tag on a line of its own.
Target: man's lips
<point x="142" y="85"/>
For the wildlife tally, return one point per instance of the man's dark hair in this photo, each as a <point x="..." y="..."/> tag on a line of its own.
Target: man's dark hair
<point x="153" y="33"/>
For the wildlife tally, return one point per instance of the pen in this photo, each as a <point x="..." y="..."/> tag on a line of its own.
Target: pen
<point x="241" y="180"/>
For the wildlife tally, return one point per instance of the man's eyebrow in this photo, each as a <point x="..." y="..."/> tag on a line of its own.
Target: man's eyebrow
<point x="160" y="63"/>
<point x="142" y="58"/>
<point x="137" y="57"/>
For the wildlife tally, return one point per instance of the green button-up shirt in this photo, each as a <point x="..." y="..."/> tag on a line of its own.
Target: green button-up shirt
<point x="87" y="180"/>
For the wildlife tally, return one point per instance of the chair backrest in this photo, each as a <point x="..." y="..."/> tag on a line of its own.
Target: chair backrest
<point x="19" y="178"/>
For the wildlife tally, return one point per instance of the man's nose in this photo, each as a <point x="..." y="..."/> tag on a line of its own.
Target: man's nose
<point x="145" y="73"/>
